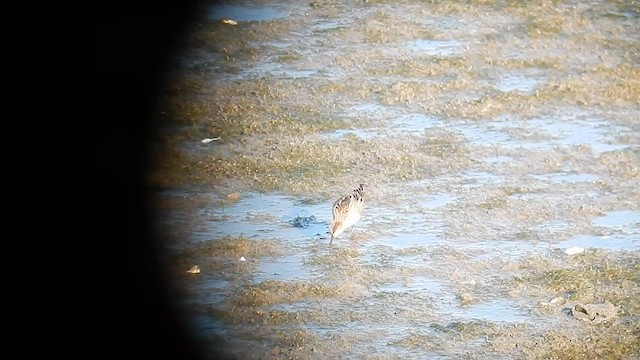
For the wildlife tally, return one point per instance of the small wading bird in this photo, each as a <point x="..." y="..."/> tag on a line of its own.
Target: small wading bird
<point x="346" y="212"/>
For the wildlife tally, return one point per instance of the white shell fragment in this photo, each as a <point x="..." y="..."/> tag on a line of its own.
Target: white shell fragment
<point x="556" y="300"/>
<point x="194" y="270"/>
<point x="208" y="140"/>
<point x="229" y="22"/>
<point x="242" y="258"/>
<point x="574" y="250"/>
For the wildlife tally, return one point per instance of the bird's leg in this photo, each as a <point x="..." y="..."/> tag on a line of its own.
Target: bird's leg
<point x="351" y="231"/>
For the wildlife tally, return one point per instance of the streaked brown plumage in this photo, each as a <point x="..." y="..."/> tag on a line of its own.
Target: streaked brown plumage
<point x="346" y="212"/>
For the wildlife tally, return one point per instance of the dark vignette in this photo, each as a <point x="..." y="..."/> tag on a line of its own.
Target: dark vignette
<point x="132" y="46"/>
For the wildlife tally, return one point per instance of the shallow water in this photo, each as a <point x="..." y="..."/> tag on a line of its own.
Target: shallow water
<point x="263" y="216"/>
<point x="579" y="130"/>
<point x="517" y="83"/>
<point x="499" y="310"/>
<point x="437" y="47"/>
<point x="244" y="12"/>
<point x="621" y="232"/>
<point x="609" y="242"/>
<point x="483" y="159"/>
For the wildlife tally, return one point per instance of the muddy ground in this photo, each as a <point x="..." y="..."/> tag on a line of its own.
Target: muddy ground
<point x="494" y="139"/>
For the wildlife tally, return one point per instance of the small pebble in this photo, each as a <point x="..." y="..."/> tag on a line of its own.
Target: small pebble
<point x="194" y="270"/>
<point x="466" y="298"/>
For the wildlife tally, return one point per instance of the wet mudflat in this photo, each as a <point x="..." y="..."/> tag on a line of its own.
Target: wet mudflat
<point x="499" y="145"/>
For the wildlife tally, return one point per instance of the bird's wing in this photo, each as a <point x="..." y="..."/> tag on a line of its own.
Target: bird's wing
<point x="342" y="206"/>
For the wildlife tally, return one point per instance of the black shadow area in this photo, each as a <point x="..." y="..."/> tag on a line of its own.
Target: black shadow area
<point x="130" y="45"/>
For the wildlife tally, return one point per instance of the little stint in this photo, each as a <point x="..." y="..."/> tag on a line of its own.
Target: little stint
<point x="346" y="212"/>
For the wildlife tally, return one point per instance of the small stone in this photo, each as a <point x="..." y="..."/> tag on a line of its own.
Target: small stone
<point x="233" y="196"/>
<point x="466" y="298"/>
<point x="229" y="22"/>
<point x="194" y="270"/>
<point x="242" y="258"/>
<point x="596" y="313"/>
<point x="303" y="221"/>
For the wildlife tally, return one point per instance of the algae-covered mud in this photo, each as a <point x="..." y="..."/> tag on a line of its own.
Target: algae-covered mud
<point x="499" y="147"/>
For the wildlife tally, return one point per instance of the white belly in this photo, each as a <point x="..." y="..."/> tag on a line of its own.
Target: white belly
<point x="352" y="217"/>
